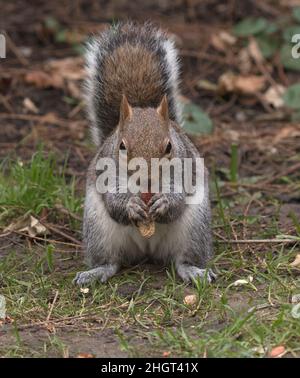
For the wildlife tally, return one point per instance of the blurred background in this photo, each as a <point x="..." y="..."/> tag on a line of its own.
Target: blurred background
<point x="236" y="69"/>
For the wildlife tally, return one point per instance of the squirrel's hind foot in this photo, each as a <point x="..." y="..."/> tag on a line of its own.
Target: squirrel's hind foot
<point x="101" y="273"/>
<point x="189" y="273"/>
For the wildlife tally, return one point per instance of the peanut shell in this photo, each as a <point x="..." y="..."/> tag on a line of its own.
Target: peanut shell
<point x="147" y="229"/>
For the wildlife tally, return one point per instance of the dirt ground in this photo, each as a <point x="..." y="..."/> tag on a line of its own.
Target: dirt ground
<point x="268" y="140"/>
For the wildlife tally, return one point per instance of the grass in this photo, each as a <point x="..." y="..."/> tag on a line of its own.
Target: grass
<point x="143" y="307"/>
<point x="35" y="186"/>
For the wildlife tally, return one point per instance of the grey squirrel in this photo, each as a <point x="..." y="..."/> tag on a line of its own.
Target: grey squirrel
<point x="132" y="102"/>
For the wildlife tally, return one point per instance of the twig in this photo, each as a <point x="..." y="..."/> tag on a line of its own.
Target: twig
<point x="259" y="241"/>
<point x="76" y="110"/>
<point x="61" y="233"/>
<point x="57" y="321"/>
<point x="6" y="103"/>
<point x="288" y="171"/>
<point x="36" y="118"/>
<point x="15" y="50"/>
<point x="39" y="238"/>
<point x="204" y="55"/>
<point x="65" y="211"/>
<point x="52" y="306"/>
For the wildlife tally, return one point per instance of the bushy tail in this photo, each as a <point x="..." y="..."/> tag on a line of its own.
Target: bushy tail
<point x="139" y="61"/>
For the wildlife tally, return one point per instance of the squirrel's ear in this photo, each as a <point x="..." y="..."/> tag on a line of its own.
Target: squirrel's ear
<point x="125" y="109"/>
<point x="163" y="109"/>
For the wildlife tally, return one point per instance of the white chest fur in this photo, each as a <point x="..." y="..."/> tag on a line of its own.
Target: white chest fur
<point x="167" y="241"/>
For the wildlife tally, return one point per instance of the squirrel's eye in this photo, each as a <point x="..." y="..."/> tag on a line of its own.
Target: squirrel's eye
<point x="168" y="148"/>
<point x="122" y="146"/>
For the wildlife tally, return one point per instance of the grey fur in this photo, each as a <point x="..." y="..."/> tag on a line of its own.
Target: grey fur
<point x="102" y="117"/>
<point x="111" y="238"/>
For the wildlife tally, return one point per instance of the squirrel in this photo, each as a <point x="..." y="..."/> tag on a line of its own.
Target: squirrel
<point x="131" y="92"/>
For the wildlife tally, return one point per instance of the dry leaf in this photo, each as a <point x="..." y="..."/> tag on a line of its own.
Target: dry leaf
<point x="259" y="350"/>
<point x="56" y="72"/>
<point x="222" y="40"/>
<point x="43" y="79"/>
<point x="254" y="51"/>
<point x="74" y="37"/>
<point x="85" y="355"/>
<point x="166" y="354"/>
<point x="27" y="224"/>
<point x="84" y="290"/>
<point x="50" y="327"/>
<point x="190" y="300"/>
<point x="68" y="68"/>
<point x="296" y="262"/>
<point x="30" y="105"/>
<point x="277" y="352"/>
<point x="251" y="84"/>
<point x="290" y="3"/>
<point x="244" y="60"/>
<point x="273" y="96"/>
<point x="73" y="89"/>
<point x="290" y="131"/>
<point x="207" y="85"/>
<point x="243" y="281"/>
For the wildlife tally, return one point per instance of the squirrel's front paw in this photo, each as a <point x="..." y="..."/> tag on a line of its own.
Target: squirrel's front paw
<point x="158" y="206"/>
<point x="137" y="210"/>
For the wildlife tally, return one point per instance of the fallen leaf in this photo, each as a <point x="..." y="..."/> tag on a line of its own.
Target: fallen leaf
<point x="291" y="131"/>
<point x="58" y="72"/>
<point x="207" y="85"/>
<point x="50" y="327"/>
<point x="190" y="300"/>
<point x="30" y="105"/>
<point x="222" y="40"/>
<point x="84" y="290"/>
<point x="244" y="61"/>
<point x="85" y="355"/>
<point x="259" y="350"/>
<point x="277" y="352"/>
<point x="166" y="354"/>
<point x="27" y="224"/>
<point x="273" y="96"/>
<point x="43" y="79"/>
<point x="243" y="281"/>
<point x="289" y="3"/>
<point x="74" y="89"/>
<point x="254" y="51"/>
<point x="296" y="262"/>
<point x="251" y="84"/>
<point x="68" y="68"/>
